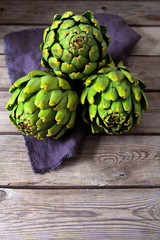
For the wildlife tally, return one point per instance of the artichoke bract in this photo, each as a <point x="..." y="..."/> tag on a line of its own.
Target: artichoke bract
<point x="113" y="100"/>
<point x="74" y="46"/>
<point x="42" y="105"/>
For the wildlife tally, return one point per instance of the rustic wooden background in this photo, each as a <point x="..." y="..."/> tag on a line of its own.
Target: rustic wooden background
<point x="111" y="191"/>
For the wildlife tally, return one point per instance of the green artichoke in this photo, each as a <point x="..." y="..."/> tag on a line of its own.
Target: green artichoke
<point x="42" y="105"/>
<point x="74" y="46"/>
<point x="113" y="100"/>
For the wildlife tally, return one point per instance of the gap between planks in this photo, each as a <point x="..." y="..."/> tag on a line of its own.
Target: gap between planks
<point x="15" y="185"/>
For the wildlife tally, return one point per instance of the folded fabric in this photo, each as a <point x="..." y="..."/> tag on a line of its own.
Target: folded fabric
<point x="23" y="55"/>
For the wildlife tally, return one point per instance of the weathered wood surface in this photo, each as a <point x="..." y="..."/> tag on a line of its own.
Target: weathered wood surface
<point x="149" y="44"/>
<point x="32" y="12"/>
<point x="150" y="120"/>
<point x="129" y="163"/>
<point x="144" y="67"/>
<point x="140" y="66"/>
<point x="129" y="214"/>
<point x="101" y="161"/>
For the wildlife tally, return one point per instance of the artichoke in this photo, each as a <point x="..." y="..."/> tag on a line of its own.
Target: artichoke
<point x="74" y="46"/>
<point x="42" y="105"/>
<point x="113" y="100"/>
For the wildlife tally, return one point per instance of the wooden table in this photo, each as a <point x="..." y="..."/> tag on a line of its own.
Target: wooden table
<point x="111" y="190"/>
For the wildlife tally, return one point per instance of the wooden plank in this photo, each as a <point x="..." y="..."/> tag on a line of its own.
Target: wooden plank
<point x="100" y="161"/>
<point x="80" y="214"/>
<point x="2" y="61"/>
<point x="146" y="68"/>
<point x="4" y="78"/>
<point x="41" y="12"/>
<point x="151" y="118"/>
<point x="148" y="45"/>
<point x="149" y="124"/>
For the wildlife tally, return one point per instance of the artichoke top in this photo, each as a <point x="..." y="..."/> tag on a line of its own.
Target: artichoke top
<point x="42" y="105"/>
<point x="74" y="46"/>
<point x="113" y="100"/>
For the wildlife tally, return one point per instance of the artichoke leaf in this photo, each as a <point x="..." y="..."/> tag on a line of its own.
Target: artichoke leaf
<point x="72" y="120"/>
<point x="13" y="98"/>
<point x="33" y="85"/>
<point x="18" y="83"/>
<point x="62" y="116"/>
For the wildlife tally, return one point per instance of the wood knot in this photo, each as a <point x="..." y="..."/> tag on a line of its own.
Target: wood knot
<point x="2" y="195"/>
<point x="157" y="155"/>
<point x="104" y="8"/>
<point x="121" y="174"/>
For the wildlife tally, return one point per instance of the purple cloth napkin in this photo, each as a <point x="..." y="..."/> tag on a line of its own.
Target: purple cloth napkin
<point x="23" y="55"/>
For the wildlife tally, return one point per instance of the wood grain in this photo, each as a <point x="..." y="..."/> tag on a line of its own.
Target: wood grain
<point x="2" y="61"/>
<point x="148" y="45"/>
<point x="100" y="161"/>
<point x="150" y="122"/>
<point x="80" y="214"/>
<point x="139" y="65"/>
<point x="32" y="12"/>
<point x="128" y="163"/>
<point x="146" y="68"/>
